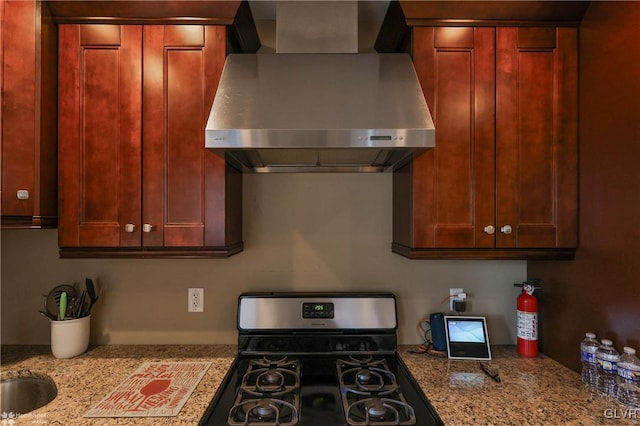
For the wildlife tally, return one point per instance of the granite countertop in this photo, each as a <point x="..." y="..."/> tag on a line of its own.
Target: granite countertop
<point x="537" y="391"/>
<point x="532" y="391"/>
<point x="84" y="380"/>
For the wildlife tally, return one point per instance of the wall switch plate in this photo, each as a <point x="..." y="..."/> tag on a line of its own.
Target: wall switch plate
<point x="452" y="293"/>
<point x="196" y="300"/>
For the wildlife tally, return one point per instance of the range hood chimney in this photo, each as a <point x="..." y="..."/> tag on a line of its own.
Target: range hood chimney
<point x="317" y="105"/>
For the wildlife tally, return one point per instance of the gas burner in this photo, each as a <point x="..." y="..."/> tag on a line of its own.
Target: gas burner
<point x="269" y="394"/>
<point x="371" y="394"/>
<point x="264" y="409"/>
<point x="375" y="408"/>
<point x="364" y="376"/>
<point x="269" y="381"/>
<point x="263" y="412"/>
<point x="266" y="378"/>
<point x="380" y="411"/>
<point x="368" y="379"/>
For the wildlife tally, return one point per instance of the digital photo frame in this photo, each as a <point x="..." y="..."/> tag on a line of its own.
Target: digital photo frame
<point x="467" y="338"/>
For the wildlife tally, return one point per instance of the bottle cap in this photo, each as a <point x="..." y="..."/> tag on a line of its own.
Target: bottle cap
<point x="628" y="350"/>
<point x="591" y="335"/>
<point x="607" y="342"/>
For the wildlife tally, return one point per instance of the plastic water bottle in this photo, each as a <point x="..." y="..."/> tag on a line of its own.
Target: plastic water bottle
<point x="588" y="348"/>
<point x="607" y="358"/>
<point x="629" y="379"/>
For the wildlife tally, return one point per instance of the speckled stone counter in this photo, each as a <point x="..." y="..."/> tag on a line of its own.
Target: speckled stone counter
<point x="83" y="381"/>
<point x="532" y="391"/>
<point x="536" y="391"/>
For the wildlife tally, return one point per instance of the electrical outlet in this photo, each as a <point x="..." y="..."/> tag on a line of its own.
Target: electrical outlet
<point x="196" y="300"/>
<point x="452" y="296"/>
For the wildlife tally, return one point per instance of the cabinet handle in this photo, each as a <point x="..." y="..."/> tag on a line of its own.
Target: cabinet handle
<point x="129" y="227"/>
<point x="147" y="227"/>
<point x="489" y="230"/>
<point x="506" y="229"/>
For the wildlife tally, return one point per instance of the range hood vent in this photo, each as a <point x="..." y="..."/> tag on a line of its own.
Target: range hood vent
<point x="318" y="112"/>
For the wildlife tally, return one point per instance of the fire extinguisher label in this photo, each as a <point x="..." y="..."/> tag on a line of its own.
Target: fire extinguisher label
<point x="527" y="325"/>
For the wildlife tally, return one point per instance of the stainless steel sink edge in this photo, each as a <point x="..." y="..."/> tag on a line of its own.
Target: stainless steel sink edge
<point x="22" y="391"/>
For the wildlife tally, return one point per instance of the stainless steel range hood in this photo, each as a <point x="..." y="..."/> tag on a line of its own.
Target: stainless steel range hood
<point x="319" y="112"/>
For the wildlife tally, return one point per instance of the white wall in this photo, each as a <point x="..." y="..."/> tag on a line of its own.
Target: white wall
<point x="311" y="232"/>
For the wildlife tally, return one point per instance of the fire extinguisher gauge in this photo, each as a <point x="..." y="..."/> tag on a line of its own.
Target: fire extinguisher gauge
<point x="529" y="286"/>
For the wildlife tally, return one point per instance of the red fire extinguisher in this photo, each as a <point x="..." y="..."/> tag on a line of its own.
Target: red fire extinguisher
<point x="527" y="329"/>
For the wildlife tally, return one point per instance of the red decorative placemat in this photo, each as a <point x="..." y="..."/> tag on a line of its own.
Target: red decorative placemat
<point x="155" y="389"/>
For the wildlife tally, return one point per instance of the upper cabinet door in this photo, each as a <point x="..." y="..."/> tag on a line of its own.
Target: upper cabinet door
<point x="536" y="137"/>
<point x="100" y="86"/>
<point x="182" y="67"/>
<point x="453" y="184"/>
<point x="28" y="115"/>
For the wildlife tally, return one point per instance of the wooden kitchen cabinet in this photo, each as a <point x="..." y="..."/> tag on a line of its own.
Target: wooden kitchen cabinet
<point x="100" y="149"/>
<point x="537" y="137"/>
<point x="28" y="115"/>
<point x="135" y="178"/>
<point x="502" y="180"/>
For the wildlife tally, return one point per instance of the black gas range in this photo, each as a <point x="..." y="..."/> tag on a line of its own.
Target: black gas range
<point x="318" y="359"/>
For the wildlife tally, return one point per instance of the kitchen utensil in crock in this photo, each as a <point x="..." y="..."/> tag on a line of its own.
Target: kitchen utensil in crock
<point x="53" y="298"/>
<point x="48" y="315"/>
<point x="91" y="291"/>
<point x="79" y="309"/>
<point x="62" y="304"/>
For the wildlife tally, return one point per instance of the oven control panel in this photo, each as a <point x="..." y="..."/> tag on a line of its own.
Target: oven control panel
<point x="317" y="310"/>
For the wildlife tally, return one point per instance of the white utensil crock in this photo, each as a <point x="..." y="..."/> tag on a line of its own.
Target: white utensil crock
<point x="70" y="338"/>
